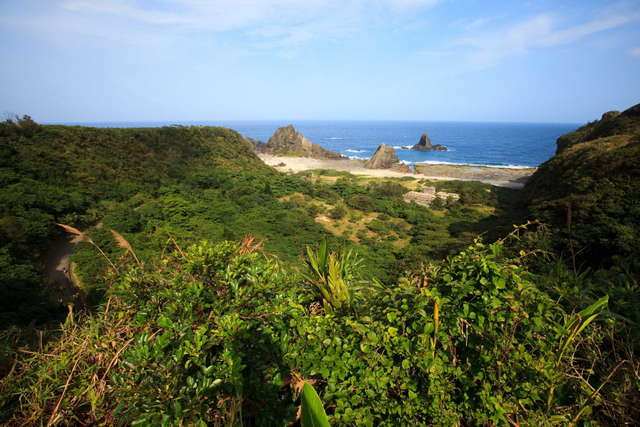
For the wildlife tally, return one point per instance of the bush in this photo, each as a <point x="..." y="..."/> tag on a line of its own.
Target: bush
<point x="216" y="333"/>
<point x="361" y="202"/>
<point x="338" y="212"/>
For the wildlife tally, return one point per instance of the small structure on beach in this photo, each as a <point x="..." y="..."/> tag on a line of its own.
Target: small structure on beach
<point x="427" y="195"/>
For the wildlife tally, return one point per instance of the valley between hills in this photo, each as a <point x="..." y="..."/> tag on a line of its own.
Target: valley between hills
<point x="213" y="276"/>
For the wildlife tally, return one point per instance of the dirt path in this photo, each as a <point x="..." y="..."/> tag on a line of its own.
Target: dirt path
<point x="57" y="268"/>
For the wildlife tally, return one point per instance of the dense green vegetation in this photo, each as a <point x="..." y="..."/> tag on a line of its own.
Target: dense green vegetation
<point x="74" y="175"/>
<point x="185" y="183"/>
<point x="216" y="333"/>
<point x="589" y="196"/>
<point x="591" y="191"/>
<point x="238" y="285"/>
<point x="612" y="123"/>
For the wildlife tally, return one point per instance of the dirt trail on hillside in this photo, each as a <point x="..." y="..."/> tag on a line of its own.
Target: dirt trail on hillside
<point x="57" y="268"/>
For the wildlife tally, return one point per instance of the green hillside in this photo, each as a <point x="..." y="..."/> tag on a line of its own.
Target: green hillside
<point x="612" y="123"/>
<point x="590" y="191"/>
<point x="157" y="185"/>
<point x="234" y="284"/>
<point x="51" y="174"/>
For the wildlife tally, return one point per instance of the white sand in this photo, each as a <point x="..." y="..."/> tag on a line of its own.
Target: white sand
<point x="501" y="177"/>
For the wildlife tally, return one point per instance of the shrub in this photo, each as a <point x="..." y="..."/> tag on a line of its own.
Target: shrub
<point x="217" y="334"/>
<point x="338" y="212"/>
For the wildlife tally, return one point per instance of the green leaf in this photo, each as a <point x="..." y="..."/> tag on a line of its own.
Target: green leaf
<point x="165" y="322"/>
<point x="595" y="306"/>
<point x="313" y="414"/>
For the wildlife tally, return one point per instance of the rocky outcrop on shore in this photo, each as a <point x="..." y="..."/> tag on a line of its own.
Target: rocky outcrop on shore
<point x="427" y="195"/>
<point x="425" y="145"/>
<point x="385" y="157"/>
<point x="286" y="141"/>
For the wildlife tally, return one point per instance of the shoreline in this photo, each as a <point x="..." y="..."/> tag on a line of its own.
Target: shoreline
<point x="498" y="176"/>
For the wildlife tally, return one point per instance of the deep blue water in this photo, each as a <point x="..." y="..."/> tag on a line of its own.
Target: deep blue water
<point x="492" y="144"/>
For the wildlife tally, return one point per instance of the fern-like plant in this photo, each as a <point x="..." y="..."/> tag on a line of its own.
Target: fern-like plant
<point x="333" y="274"/>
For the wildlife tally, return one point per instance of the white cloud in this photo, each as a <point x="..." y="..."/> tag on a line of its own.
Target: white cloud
<point x="224" y="15"/>
<point x="436" y="53"/>
<point x="572" y="34"/>
<point x="539" y="31"/>
<point x="281" y="24"/>
<point x="409" y="4"/>
<point x="472" y="24"/>
<point x="634" y="51"/>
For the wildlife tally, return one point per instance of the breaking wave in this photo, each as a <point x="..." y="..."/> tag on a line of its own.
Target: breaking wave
<point x="436" y="162"/>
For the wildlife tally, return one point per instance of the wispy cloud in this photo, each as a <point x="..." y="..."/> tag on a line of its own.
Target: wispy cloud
<point x="409" y="4"/>
<point x="225" y="15"/>
<point x="279" y="24"/>
<point x="634" y="51"/>
<point x="473" y="24"/>
<point x="539" y="31"/>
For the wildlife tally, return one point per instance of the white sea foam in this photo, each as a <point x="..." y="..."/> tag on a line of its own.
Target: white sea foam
<point x="334" y="137"/>
<point x="402" y="147"/>
<point x="355" y="151"/>
<point x="357" y="158"/>
<point x="435" y="162"/>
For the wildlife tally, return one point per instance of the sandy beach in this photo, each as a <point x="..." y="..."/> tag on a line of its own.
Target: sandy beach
<point x="502" y="177"/>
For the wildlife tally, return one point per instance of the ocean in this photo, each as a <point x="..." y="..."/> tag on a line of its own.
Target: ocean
<point x="509" y="145"/>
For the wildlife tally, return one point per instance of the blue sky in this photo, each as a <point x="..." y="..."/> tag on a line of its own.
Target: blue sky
<point x="172" y="60"/>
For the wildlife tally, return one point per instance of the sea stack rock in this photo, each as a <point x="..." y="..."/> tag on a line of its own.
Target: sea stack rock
<point x="425" y="145"/>
<point x="385" y="157"/>
<point x="287" y="142"/>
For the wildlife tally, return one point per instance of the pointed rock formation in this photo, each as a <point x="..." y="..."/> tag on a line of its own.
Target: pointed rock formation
<point x="425" y="145"/>
<point x="385" y="157"/>
<point x="287" y="142"/>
